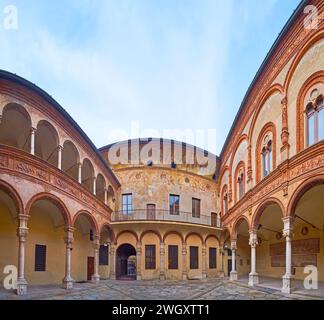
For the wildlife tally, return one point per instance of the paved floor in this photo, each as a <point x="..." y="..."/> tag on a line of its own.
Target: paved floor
<point x="152" y="290"/>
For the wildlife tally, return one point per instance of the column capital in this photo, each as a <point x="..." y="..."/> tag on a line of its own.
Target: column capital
<point x="288" y="226"/>
<point x="59" y="147"/>
<point x="68" y="239"/>
<point x="253" y="240"/>
<point x="96" y="242"/>
<point x="33" y="130"/>
<point x="233" y="244"/>
<point x="22" y="233"/>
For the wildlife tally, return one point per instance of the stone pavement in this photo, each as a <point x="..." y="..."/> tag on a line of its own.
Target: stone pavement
<point x="214" y="289"/>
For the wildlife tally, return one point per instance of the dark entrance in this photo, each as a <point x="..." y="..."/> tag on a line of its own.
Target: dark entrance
<point x="126" y="262"/>
<point x="90" y="268"/>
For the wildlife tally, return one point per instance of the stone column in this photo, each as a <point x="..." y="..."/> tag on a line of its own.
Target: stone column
<point x="80" y="173"/>
<point x="288" y="234"/>
<point x="221" y="251"/>
<point x="233" y="274"/>
<point x="162" y="261"/>
<point x="139" y="261"/>
<point x="112" y="261"/>
<point x="59" y="157"/>
<point x="204" y="262"/>
<point x="22" y="233"/>
<point x="105" y="196"/>
<point x="284" y="131"/>
<point x="184" y="262"/>
<point x="96" y="246"/>
<point x="94" y="185"/>
<point x="68" y="281"/>
<point x="253" y="242"/>
<point x="32" y="141"/>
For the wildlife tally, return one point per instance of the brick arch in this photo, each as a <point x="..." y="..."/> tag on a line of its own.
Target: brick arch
<point x="243" y="137"/>
<point x="300" y="54"/>
<point x="108" y="226"/>
<point x="222" y="172"/>
<point x="14" y="195"/>
<point x="151" y="231"/>
<point x="173" y="232"/>
<point x="268" y="127"/>
<point x="300" y="192"/>
<point x="127" y="231"/>
<point x="194" y="234"/>
<point x="317" y="77"/>
<point x="240" y="165"/>
<point x="90" y="219"/>
<point x="237" y="223"/>
<point x="260" y="209"/>
<point x="271" y="91"/>
<point x="56" y="201"/>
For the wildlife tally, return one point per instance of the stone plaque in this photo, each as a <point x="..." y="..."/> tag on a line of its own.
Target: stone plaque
<point x="306" y="246"/>
<point x="301" y="260"/>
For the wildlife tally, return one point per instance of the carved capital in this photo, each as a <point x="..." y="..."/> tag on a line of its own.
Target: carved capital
<point x="288" y="227"/>
<point x="96" y="242"/>
<point x="22" y="233"/>
<point x="234" y="244"/>
<point x="253" y="240"/>
<point x="68" y="239"/>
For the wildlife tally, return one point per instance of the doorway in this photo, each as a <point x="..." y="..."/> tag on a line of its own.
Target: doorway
<point x="150" y="211"/>
<point x="126" y="262"/>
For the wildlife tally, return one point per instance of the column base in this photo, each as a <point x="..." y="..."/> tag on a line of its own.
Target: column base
<point x="21" y="287"/>
<point x="138" y="277"/>
<point x="233" y="276"/>
<point x="184" y="276"/>
<point x="221" y="274"/>
<point x="67" y="283"/>
<point x="162" y="277"/>
<point x="204" y="276"/>
<point x="286" y="284"/>
<point x="253" y="279"/>
<point x="95" y="278"/>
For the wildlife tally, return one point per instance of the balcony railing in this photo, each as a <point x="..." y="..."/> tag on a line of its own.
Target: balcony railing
<point x="164" y="215"/>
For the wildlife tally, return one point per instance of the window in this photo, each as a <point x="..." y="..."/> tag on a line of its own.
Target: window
<point x="195" y="208"/>
<point x="40" y="257"/>
<point x="174" y="204"/>
<point x="127" y="203"/>
<point x="172" y="257"/>
<point x="212" y="258"/>
<point x="267" y="162"/>
<point x="315" y="122"/>
<point x="225" y="203"/>
<point x="240" y="185"/>
<point x="103" y="255"/>
<point x="214" y="219"/>
<point x="194" y="264"/>
<point x="91" y="235"/>
<point x="150" y="257"/>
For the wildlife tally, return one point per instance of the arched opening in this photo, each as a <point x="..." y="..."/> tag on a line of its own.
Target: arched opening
<point x="106" y="239"/>
<point x="46" y="142"/>
<point x="15" y="127"/>
<point x="225" y="254"/>
<point x="111" y="198"/>
<point x="126" y="262"/>
<point x="173" y="255"/>
<point x="270" y="250"/>
<point x="87" y="175"/>
<point x="100" y="187"/>
<point x="308" y="241"/>
<point x="8" y="230"/>
<point x="243" y="255"/>
<point x="83" y="261"/>
<point x="70" y="159"/>
<point x="45" y="247"/>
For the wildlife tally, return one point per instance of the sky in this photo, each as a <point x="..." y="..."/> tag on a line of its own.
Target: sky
<point x="144" y="68"/>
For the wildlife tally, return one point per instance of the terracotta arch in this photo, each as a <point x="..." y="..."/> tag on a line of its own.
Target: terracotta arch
<point x="272" y="90"/>
<point x="317" y="77"/>
<point x="127" y="231"/>
<point x="212" y="236"/>
<point x="13" y="194"/>
<point x="237" y="223"/>
<point x="222" y="172"/>
<point x="56" y="201"/>
<point x="151" y="231"/>
<point x="108" y="226"/>
<point x="19" y="106"/>
<point x="243" y="137"/>
<point x="240" y="166"/>
<point x="298" y="57"/>
<point x="268" y="127"/>
<point x="300" y="191"/>
<point x="173" y="232"/>
<point x="260" y="209"/>
<point x="194" y="234"/>
<point x="90" y="219"/>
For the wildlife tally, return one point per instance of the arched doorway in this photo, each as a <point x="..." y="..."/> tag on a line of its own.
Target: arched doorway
<point x="126" y="262"/>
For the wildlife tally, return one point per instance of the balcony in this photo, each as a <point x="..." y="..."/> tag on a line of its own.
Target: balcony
<point x="164" y="215"/>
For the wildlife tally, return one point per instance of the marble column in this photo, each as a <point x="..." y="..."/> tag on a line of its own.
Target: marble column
<point x="253" y="242"/>
<point x="204" y="262"/>
<point x="233" y="273"/>
<point x="96" y="246"/>
<point x="80" y="173"/>
<point x="139" y="261"/>
<point x="184" y="262"/>
<point x="112" y="261"/>
<point x="22" y="233"/>
<point x="221" y="271"/>
<point x="288" y="234"/>
<point x="162" y="261"/>
<point x="67" y="282"/>
<point x="105" y="197"/>
<point x="94" y="185"/>
<point x="59" y="157"/>
<point x="32" y="141"/>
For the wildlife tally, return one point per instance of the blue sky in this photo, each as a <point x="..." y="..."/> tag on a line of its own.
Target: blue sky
<point x="163" y="65"/>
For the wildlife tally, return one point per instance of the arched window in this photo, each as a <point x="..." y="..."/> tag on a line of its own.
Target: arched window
<point x="225" y="200"/>
<point x="240" y="185"/>
<point x="315" y="122"/>
<point x="267" y="164"/>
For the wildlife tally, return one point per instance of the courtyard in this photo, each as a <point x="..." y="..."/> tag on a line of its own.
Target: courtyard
<point x="155" y="290"/>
